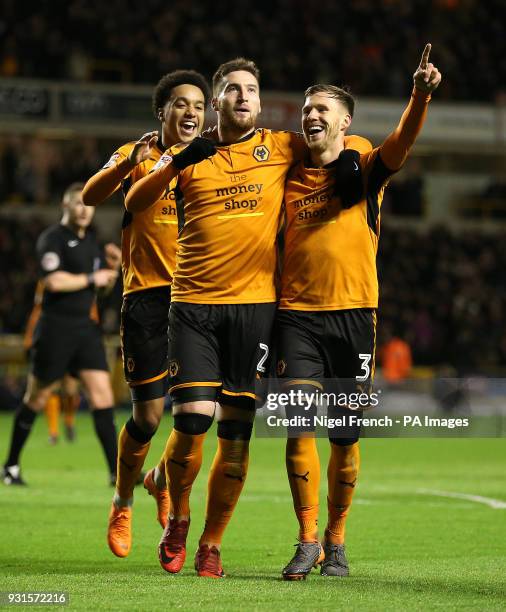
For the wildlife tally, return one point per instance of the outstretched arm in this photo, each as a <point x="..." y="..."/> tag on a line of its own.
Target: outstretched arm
<point x="107" y="180"/>
<point x="396" y="147"/>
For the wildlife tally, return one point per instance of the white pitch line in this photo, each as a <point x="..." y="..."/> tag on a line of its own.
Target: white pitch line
<point x="496" y="504"/>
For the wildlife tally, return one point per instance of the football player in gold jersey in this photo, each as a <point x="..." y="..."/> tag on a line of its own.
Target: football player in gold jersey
<point x="326" y="324"/>
<point x="223" y="299"/>
<point x="148" y="260"/>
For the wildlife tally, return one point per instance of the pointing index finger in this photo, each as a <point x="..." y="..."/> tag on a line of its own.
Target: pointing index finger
<point x="425" y="56"/>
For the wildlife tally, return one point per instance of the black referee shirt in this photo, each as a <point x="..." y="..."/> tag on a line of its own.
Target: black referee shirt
<point x="60" y="249"/>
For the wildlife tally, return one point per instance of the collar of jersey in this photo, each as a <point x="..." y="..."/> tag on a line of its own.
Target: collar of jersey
<point x="329" y="166"/>
<point x="243" y="139"/>
<point x="159" y="144"/>
<point x="67" y="229"/>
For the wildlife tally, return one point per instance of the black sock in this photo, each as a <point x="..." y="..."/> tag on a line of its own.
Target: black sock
<point x="23" y="423"/>
<point x="106" y="433"/>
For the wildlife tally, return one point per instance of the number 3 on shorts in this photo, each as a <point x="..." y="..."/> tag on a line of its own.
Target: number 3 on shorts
<point x="265" y="349"/>
<point x="366" y="358"/>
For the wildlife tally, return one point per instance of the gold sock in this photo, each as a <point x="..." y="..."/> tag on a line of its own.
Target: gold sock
<point x="303" y="469"/>
<point x="183" y="458"/>
<point x="53" y="408"/>
<point x="70" y="405"/>
<point x="160" y="476"/>
<point x="131" y="456"/>
<point x="226" y="481"/>
<point x="344" y="464"/>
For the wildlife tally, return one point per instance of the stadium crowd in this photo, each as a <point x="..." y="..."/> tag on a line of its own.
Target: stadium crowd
<point x="132" y="42"/>
<point x="445" y="294"/>
<point x="37" y="170"/>
<point x="439" y="291"/>
<point x="19" y="272"/>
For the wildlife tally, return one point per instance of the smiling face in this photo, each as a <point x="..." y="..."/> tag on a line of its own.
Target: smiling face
<point x="237" y="101"/>
<point x="182" y="116"/>
<point x="324" y="121"/>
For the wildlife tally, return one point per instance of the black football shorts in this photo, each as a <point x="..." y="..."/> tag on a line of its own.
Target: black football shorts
<point x="332" y="351"/>
<point x="144" y="342"/>
<point x="335" y="344"/>
<point x="66" y="344"/>
<point x="218" y="351"/>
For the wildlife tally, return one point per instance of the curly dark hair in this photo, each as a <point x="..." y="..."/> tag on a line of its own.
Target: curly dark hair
<point x="166" y="84"/>
<point x="239" y="63"/>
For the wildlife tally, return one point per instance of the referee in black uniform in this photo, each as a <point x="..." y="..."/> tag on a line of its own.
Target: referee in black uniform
<point x="66" y="338"/>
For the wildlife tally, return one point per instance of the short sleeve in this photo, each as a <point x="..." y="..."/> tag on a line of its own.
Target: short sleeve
<point x="357" y="143"/>
<point x="49" y="253"/>
<point x="291" y="144"/>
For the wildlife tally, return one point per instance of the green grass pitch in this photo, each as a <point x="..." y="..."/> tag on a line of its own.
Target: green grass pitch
<point x="407" y="549"/>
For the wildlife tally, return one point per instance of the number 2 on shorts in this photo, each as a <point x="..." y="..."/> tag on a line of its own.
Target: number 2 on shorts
<point x="265" y="349"/>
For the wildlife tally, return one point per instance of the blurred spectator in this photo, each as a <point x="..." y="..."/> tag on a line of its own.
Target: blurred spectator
<point x="394" y="355"/>
<point x="78" y="64"/>
<point x="9" y="64"/>
<point x="405" y="192"/>
<point x="295" y="42"/>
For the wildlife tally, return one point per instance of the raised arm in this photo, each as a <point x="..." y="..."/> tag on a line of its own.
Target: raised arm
<point x="107" y="180"/>
<point x="426" y="79"/>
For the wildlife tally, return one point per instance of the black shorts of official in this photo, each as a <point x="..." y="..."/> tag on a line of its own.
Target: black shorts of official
<point x="30" y="356"/>
<point x="333" y="351"/>
<point x="144" y="342"/>
<point x="66" y="345"/>
<point x="217" y="352"/>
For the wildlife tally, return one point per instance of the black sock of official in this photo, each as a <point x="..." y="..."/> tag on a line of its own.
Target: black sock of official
<point x="23" y="423"/>
<point x="105" y="429"/>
